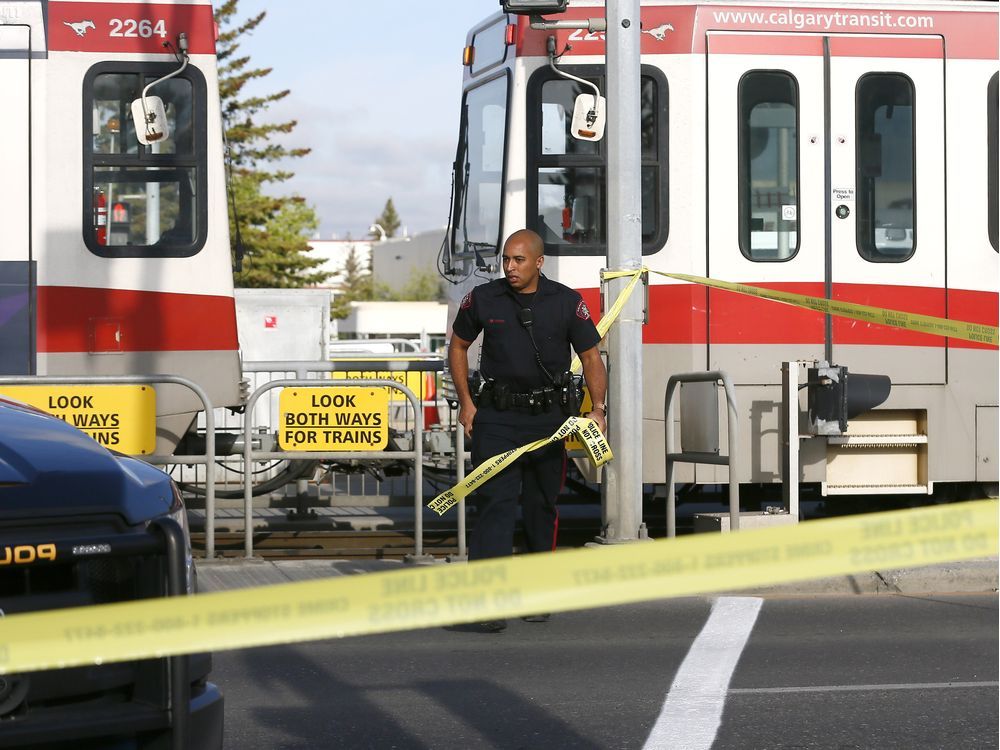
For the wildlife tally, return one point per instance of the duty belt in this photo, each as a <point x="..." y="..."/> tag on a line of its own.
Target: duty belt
<point x="541" y="397"/>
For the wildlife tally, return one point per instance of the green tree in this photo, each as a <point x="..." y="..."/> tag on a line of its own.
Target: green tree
<point x="274" y="231"/>
<point x="388" y="220"/>
<point x="421" y="286"/>
<point x="355" y="285"/>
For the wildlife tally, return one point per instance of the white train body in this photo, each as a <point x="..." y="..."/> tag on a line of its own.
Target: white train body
<point x="847" y="152"/>
<point x="116" y="258"/>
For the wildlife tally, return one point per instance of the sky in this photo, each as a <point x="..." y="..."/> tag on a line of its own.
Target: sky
<point x="376" y="89"/>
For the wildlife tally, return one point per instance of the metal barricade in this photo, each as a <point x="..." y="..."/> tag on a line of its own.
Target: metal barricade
<point x="700" y="457"/>
<point x="249" y="455"/>
<point x="460" y="453"/>
<point x="207" y="459"/>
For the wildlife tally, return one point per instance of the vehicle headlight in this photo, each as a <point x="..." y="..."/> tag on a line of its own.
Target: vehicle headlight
<point x="179" y="513"/>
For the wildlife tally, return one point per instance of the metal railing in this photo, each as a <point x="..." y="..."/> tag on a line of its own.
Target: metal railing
<point x="250" y="456"/>
<point x="207" y="459"/>
<point x="248" y="423"/>
<point x="700" y="457"/>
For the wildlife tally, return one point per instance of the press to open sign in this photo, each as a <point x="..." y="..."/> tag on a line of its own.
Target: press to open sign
<point x="333" y="419"/>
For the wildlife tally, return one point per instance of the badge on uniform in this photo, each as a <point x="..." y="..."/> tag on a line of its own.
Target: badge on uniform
<point x="582" y="311"/>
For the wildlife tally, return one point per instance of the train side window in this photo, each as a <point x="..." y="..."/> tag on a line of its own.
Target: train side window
<point x="769" y="165"/>
<point x="992" y="145"/>
<point x="567" y="178"/>
<point x="143" y="201"/>
<point x="886" y="191"/>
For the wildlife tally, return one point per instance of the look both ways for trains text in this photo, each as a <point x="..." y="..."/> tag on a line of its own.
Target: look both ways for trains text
<point x="333" y="418"/>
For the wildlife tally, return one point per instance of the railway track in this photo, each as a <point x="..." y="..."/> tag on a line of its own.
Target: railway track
<point x="286" y="544"/>
<point x="353" y="545"/>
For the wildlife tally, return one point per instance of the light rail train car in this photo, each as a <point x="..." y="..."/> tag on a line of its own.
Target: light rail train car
<point x="846" y="152"/>
<point x="116" y="256"/>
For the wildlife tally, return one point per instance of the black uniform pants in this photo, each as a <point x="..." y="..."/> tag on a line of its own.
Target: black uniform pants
<point x="534" y="481"/>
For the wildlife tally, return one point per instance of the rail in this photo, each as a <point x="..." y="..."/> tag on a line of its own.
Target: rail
<point x="366" y="346"/>
<point x="250" y="456"/>
<point x="208" y="458"/>
<point x="700" y="457"/>
<point x="398" y="361"/>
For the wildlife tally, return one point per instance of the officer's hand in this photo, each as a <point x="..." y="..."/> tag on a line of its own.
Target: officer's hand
<point x="465" y="416"/>
<point x="598" y="416"/>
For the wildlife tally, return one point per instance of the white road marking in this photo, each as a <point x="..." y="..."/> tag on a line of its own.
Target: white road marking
<point x="692" y="712"/>
<point x="871" y="688"/>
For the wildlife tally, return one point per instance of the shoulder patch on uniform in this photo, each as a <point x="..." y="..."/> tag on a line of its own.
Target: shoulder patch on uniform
<point x="582" y="311"/>
<point x="467" y="301"/>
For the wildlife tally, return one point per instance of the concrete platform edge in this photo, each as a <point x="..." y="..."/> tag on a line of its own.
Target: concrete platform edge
<point x="970" y="576"/>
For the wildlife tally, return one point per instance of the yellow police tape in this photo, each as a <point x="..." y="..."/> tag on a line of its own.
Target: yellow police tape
<point x="959" y="329"/>
<point x="597" y="446"/>
<point x="604" y="324"/>
<point x="508" y="587"/>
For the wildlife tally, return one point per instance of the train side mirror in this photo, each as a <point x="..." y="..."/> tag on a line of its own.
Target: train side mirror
<point x="589" y="117"/>
<point x="150" y="118"/>
<point x="836" y="395"/>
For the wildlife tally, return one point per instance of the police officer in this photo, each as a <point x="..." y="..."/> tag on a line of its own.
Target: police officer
<point x="528" y="324"/>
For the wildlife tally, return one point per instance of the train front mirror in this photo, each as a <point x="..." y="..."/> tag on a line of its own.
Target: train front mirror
<point x="589" y="117"/>
<point x="150" y="118"/>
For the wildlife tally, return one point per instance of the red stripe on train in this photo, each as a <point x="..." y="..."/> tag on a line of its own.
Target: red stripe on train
<point x="683" y="29"/>
<point x="129" y="27"/>
<point x="765" y="44"/>
<point x="79" y="319"/>
<point x="885" y="46"/>
<point x="678" y="315"/>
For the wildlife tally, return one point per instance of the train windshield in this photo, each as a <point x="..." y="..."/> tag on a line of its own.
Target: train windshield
<point x="479" y="170"/>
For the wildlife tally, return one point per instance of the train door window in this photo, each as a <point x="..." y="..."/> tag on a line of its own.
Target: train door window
<point x="481" y="156"/>
<point x="567" y="178"/>
<point x="886" y="192"/>
<point x="992" y="136"/>
<point x="769" y="165"/>
<point x="143" y="201"/>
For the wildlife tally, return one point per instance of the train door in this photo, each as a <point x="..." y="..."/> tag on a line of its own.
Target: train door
<point x="765" y="198"/>
<point x="16" y="271"/>
<point x="887" y="199"/>
<point x="833" y="210"/>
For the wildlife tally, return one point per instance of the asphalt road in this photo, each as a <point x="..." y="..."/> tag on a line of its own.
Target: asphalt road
<point x="886" y="671"/>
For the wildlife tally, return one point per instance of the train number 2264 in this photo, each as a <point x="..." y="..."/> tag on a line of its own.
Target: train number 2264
<point x="142" y="28"/>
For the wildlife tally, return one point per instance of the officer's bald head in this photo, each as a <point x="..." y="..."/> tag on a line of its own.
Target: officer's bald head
<point x="523" y="256"/>
<point x="526" y="241"/>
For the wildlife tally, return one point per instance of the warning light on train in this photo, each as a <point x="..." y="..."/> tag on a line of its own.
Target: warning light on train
<point x="835" y="396"/>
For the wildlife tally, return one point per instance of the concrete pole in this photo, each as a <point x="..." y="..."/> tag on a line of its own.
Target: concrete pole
<point x="622" y="506"/>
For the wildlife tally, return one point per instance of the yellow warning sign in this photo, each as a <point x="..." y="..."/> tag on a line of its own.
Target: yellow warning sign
<point x="333" y="419"/>
<point x="412" y="379"/>
<point x="120" y="417"/>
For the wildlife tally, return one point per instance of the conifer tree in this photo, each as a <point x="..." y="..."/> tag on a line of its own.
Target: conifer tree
<point x="388" y="220"/>
<point x="355" y="284"/>
<point x="274" y="230"/>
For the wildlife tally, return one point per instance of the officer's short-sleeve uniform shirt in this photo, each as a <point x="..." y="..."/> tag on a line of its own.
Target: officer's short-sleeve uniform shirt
<point x="560" y="320"/>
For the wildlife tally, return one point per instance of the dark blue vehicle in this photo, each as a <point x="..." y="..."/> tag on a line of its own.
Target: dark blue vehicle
<point x="80" y="525"/>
